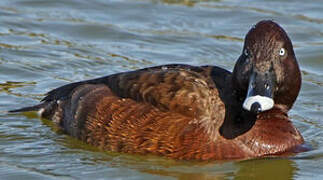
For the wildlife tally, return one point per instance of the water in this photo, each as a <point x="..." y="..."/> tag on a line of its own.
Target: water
<point x="45" y="44"/>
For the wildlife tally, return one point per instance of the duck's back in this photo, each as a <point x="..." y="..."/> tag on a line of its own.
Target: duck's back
<point x="173" y="110"/>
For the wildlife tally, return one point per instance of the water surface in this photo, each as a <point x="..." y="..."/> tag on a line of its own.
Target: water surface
<point x="48" y="43"/>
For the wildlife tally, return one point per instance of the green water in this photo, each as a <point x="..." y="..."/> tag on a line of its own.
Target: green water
<point x="45" y="44"/>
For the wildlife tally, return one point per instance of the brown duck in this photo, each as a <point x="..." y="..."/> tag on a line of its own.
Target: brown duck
<point x="189" y="112"/>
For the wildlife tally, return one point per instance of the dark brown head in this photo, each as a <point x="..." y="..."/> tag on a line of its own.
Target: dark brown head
<point x="267" y="73"/>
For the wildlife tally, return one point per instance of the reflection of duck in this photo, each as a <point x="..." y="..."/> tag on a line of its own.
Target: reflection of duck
<point x="251" y="169"/>
<point x="265" y="168"/>
<point x="189" y="112"/>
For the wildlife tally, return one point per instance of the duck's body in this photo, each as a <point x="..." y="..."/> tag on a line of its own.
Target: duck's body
<point x="177" y="111"/>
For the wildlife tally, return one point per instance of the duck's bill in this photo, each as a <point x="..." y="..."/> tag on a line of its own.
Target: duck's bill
<point x="258" y="103"/>
<point x="260" y="94"/>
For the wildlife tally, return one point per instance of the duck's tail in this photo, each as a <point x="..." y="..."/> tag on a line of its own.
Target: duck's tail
<point x="45" y="109"/>
<point x="37" y="107"/>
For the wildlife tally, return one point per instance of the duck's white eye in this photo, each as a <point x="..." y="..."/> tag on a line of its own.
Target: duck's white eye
<point x="282" y="52"/>
<point x="246" y="52"/>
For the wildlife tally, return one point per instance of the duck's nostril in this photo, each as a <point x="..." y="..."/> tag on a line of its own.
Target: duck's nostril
<point x="256" y="108"/>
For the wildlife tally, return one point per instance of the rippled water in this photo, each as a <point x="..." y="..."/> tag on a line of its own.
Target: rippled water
<point x="45" y="44"/>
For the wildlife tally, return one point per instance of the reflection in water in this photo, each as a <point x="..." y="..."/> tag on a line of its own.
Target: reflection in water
<point x="188" y="176"/>
<point x="266" y="169"/>
<point x="245" y="170"/>
<point x="252" y="169"/>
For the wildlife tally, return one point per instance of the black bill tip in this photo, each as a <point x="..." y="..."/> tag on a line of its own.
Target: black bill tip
<point x="256" y="108"/>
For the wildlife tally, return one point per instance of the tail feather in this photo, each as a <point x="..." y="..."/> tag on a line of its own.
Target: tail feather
<point x="44" y="110"/>
<point x="30" y="108"/>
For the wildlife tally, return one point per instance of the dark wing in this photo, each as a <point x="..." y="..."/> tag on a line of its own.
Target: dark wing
<point x="179" y="88"/>
<point x="182" y="89"/>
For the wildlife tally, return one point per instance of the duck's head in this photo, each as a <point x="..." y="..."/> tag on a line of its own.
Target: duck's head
<point x="267" y="74"/>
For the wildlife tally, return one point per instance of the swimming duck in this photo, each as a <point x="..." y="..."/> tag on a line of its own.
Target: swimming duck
<point x="189" y="112"/>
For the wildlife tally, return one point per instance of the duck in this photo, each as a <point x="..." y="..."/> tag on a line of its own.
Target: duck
<point x="188" y="112"/>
